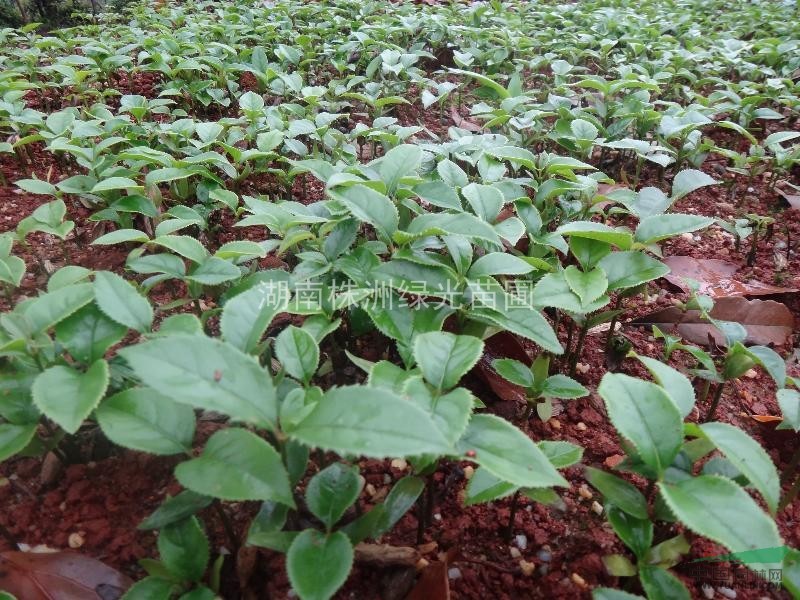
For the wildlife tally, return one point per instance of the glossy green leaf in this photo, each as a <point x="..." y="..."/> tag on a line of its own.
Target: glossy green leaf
<point x="237" y="465"/>
<point x="68" y="396"/>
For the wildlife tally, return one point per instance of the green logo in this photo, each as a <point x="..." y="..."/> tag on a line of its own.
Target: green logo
<point x="760" y="555"/>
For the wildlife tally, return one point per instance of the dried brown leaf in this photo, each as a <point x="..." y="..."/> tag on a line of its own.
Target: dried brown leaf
<point x="716" y="278"/>
<point x="766" y="321"/>
<point x="59" y="576"/>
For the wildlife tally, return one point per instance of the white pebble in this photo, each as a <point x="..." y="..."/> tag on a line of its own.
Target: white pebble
<point x="521" y="541"/>
<point x="708" y="591"/>
<point x="727" y="592"/>
<point x="454" y="573"/>
<point x="515" y="553"/>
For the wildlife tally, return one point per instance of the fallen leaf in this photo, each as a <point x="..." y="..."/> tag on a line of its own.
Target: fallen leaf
<point x="502" y="345"/>
<point x="433" y="583"/>
<point x="384" y="555"/>
<point x="766" y="418"/>
<point x="792" y="199"/>
<point x="766" y="321"/>
<point x="716" y="278"/>
<point x="59" y="576"/>
<point x="463" y="123"/>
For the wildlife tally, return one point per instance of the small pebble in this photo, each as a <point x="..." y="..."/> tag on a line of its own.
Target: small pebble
<point x="400" y="463"/>
<point x="708" y="591"/>
<point x="75" y="540"/>
<point x="526" y="567"/>
<point x="454" y="573"/>
<point x="521" y="541"/>
<point x="581" y="426"/>
<point x="544" y="555"/>
<point x="582" y="368"/>
<point x="469" y="471"/>
<point x="584" y="492"/>
<point x="421" y="564"/>
<point x="515" y="553"/>
<point x="597" y="507"/>
<point x="751" y="189"/>
<point x="437" y="517"/>
<point x="687" y="236"/>
<point x="727" y="592"/>
<point x="555" y="423"/>
<point x="370" y="489"/>
<point x="578" y="580"/>
<point x="751" y="374"/>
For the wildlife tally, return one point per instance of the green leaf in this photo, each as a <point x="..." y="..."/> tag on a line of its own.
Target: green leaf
<point x="246" y="316"/>
<point x="143" y="419"/>
<point x="618" y="492"/>
<point x="184" y="549"/>
<point x="723" y="512"/>
<point x="120" y="301"/>
<point x="207" y="374"/>
<point x="369" y="206"/>
<point x="631" y="268"/>
<point x="561" y="454"/>
<point x="438" y="193"/>
<point x="461" y="223"/>
<point x="451" y="173"/>
<point x="791" y="572"/>
<point x="399" y="162"/>
<point x="524" y="322"/>
<point x="150" y="588"/>
<point x="660" y="227"/>
<point x="214" y="271"/>
<point x="121" y="236"/>
<point x="318" y="564"/>
<point x="644" y="414"/>
<point x="688" y="181"/>
<point x="619" y="236"/>
<point x="48" y="309"/>
<point x="14" y="438"/>
<point x="675" y="383"/>
<point x="618" y="565"/>
<point x="237" y="465"/>
<point x="612" y="594"/>
<point x="332" y="491"/>
<point x="298" y="352"/>
<point x="789" y="401"/>
<point x="588" y="286"/>
<point x="175" y="509"/>
<point x="88" y="334"/>
<point x="445" y="358"/>
<point x="499" y="263"/>
<point x="507" y="453"/>
<point x="513" y="370"/>
<point x="636" y="534"/>
<point x="37" y="186"/>
<point x="12" y="269"/>
<point x="748" y="457"/>
<point x="660" y="584"/>
<point x="68" y="396"/>
<point x="561" y="386"/>
<point x="115" y="183"/>
<point x="369" y="422"/>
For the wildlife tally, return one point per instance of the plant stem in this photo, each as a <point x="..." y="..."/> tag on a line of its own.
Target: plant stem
<point x="790" y="495"/>
<point x="573" y="366"/>
<point x="227" y="526"/>
<point x="511" y="516"/>
<point x="715" y="402"/>
<point x="613" y="324"/>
